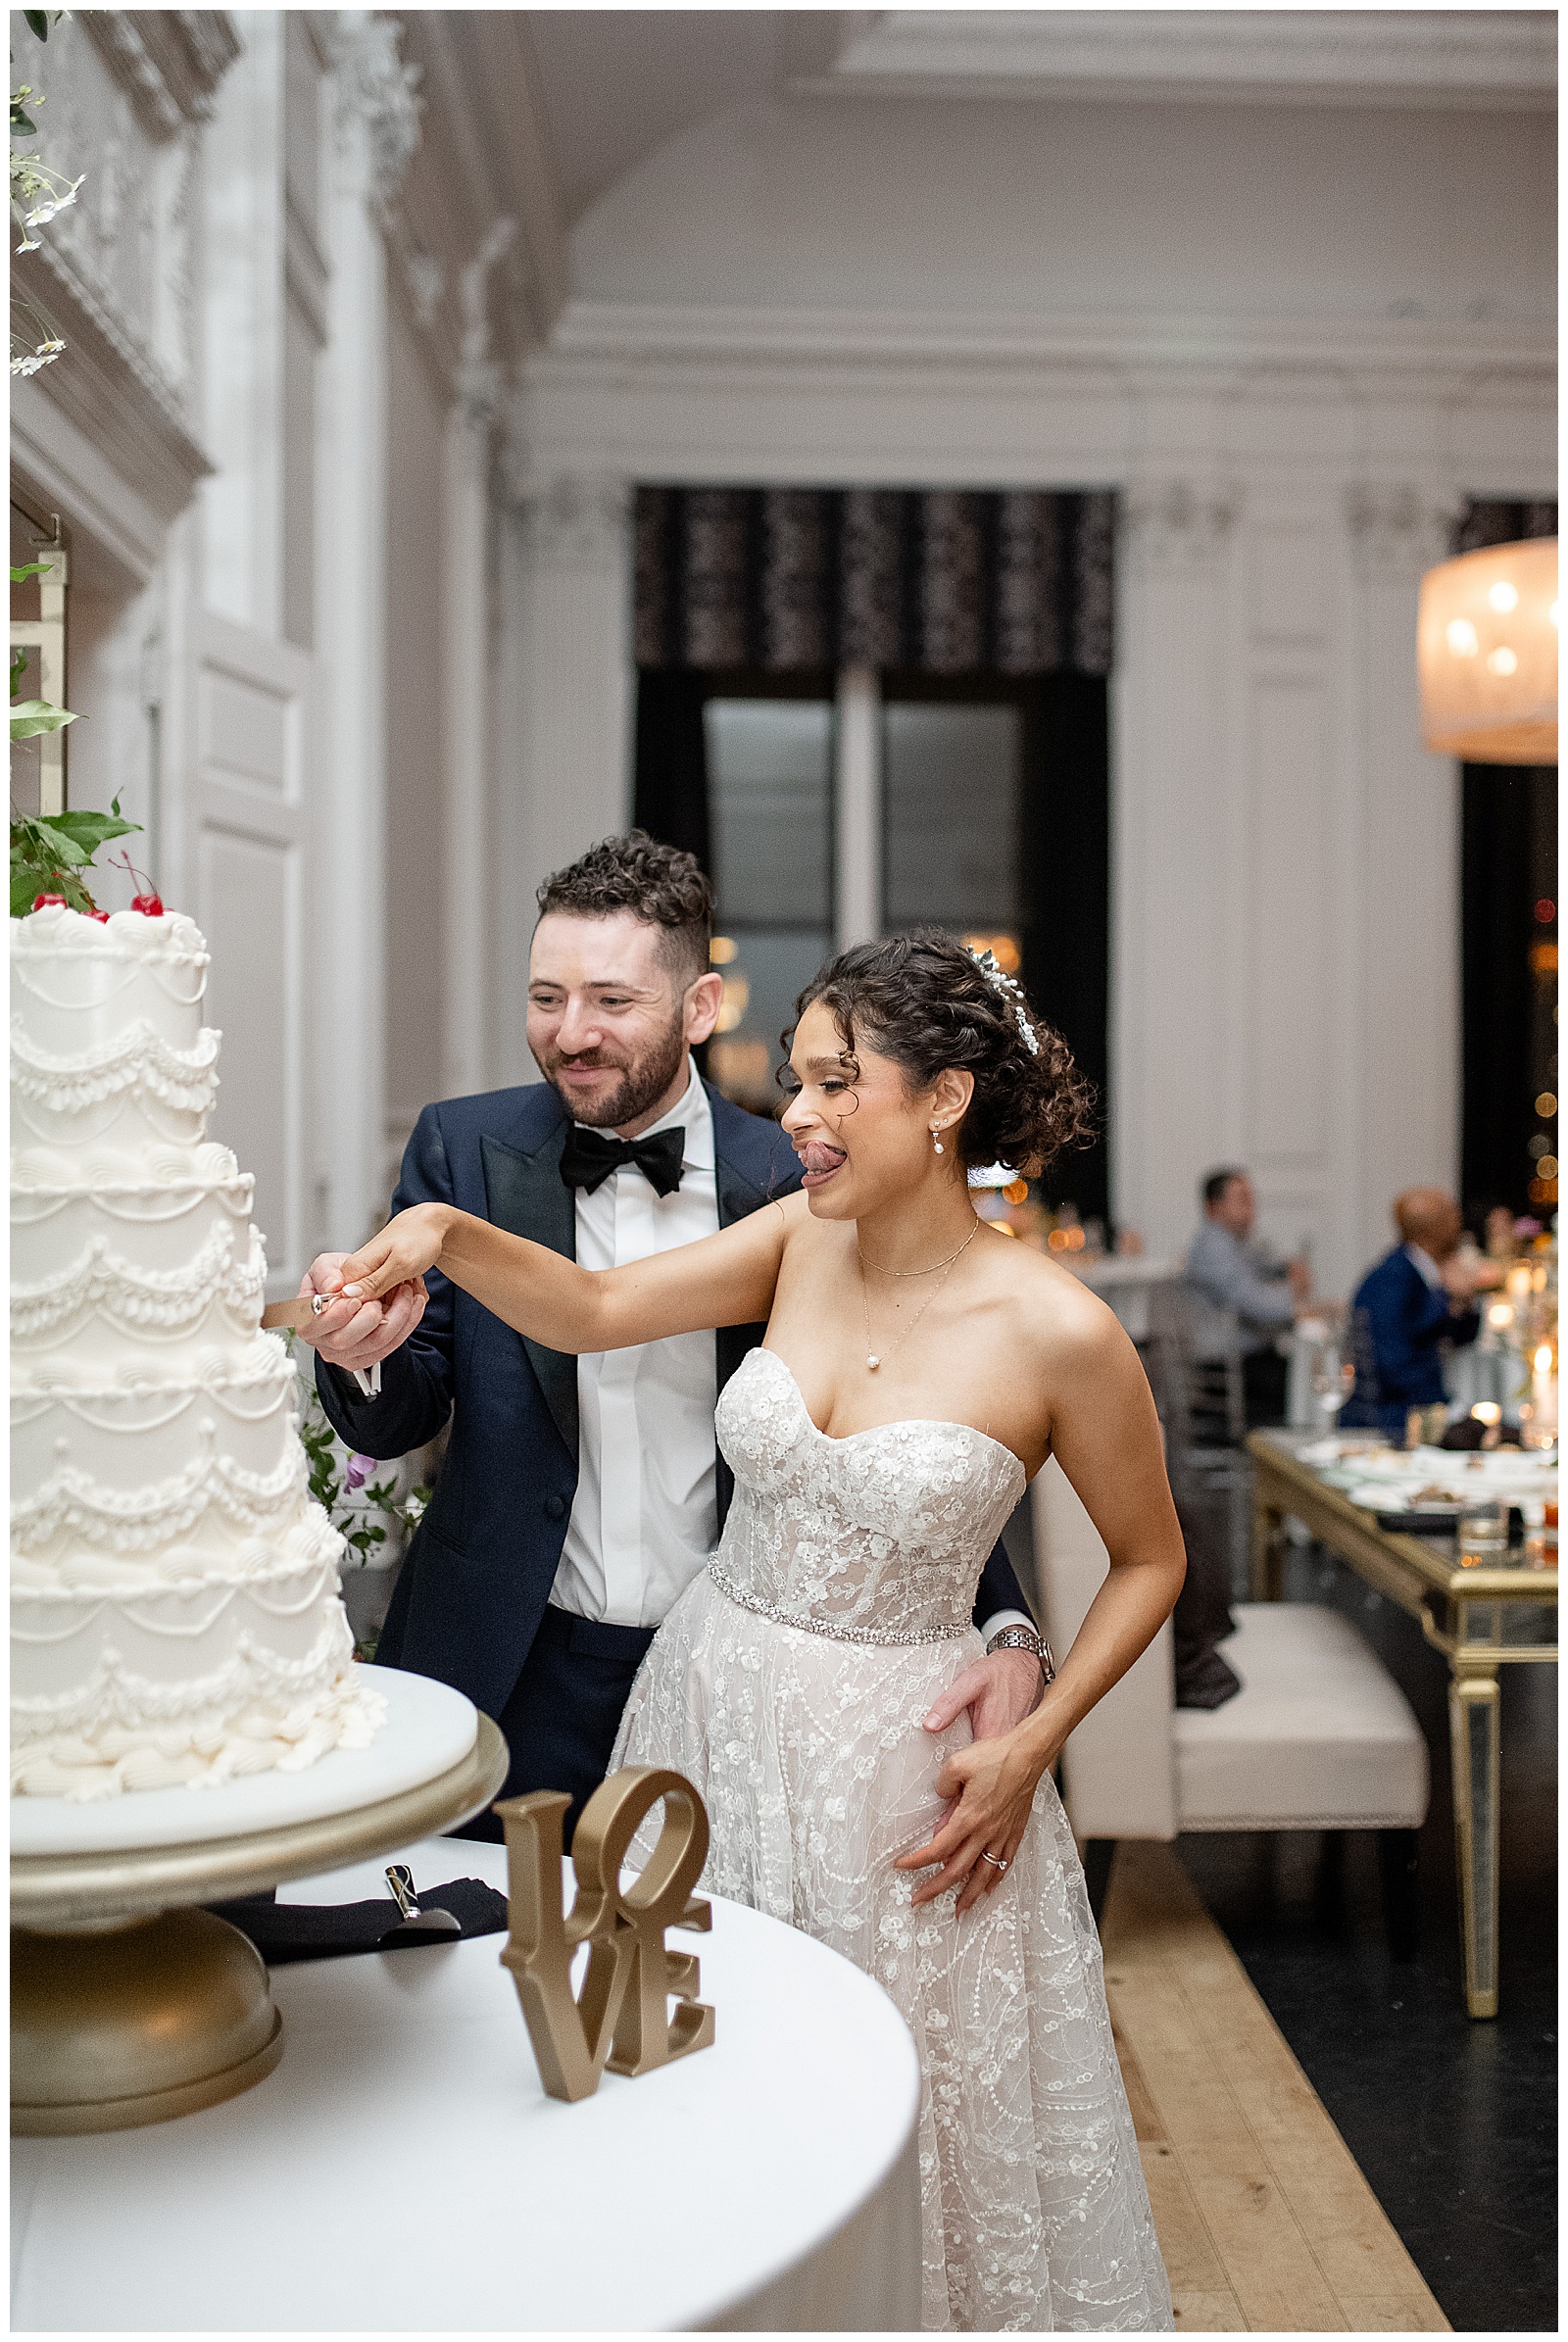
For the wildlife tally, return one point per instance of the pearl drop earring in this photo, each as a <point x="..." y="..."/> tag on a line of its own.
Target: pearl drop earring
<point x="935" y="1141"/>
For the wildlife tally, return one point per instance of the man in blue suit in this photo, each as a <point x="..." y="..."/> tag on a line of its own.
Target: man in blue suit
<point x="580" y="1496"/>
<point x="1407" y="1311"/>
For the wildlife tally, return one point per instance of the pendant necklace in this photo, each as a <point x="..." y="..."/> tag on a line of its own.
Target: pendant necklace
<point x="873" y="1358"/>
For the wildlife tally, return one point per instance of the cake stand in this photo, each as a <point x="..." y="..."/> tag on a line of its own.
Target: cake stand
<point x="128" y="2004"/>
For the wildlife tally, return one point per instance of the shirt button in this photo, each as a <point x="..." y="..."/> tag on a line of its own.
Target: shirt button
<point x="555" y="1508"/>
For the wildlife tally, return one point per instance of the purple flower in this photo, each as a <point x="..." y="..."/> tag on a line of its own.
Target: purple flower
<point x="358" y="1472"/>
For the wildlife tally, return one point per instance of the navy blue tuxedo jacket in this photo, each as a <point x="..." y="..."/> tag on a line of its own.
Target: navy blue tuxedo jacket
<point x="1406" y="1324"/>
<point x="479" y="1571"/>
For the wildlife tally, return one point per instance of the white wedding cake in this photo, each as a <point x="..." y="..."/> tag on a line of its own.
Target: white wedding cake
<point x="175" y="1616"/>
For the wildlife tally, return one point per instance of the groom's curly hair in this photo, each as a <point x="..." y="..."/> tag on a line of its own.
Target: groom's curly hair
<point x="659" y="883"/>
<point x="924" y="1000"/>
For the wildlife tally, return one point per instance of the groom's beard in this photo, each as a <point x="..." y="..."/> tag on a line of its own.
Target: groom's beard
<point x="643" y="1081"/>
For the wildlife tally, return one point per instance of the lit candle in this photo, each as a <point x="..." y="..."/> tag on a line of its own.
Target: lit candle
<point x="1543" y="1393"/>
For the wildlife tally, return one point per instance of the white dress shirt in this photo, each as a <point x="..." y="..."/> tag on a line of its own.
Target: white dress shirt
<point x="645" y="1514"/>
<point x="1422" y="1260"/>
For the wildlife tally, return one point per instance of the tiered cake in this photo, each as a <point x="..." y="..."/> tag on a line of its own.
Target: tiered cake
<point x="175" y="1616"/>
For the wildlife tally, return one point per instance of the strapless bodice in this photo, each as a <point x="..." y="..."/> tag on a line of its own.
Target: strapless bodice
<point x="880" y="1537"/>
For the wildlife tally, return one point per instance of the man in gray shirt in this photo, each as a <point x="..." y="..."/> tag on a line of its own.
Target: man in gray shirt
<point x="1229" y="1276"/>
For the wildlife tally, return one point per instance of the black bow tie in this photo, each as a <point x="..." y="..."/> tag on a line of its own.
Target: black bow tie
<point x="589" y="1157"/>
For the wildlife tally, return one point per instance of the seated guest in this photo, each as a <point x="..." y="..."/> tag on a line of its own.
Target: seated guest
<point x="1232" y="1277"/>
<point x="1415" y="1304"/>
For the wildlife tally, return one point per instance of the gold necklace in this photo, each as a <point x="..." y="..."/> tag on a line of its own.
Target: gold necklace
<point x="873" y="1358"/>
<point x="931" y="1271"/>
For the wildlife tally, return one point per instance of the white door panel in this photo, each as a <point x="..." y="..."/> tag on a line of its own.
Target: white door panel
<point x="250" y="803"/>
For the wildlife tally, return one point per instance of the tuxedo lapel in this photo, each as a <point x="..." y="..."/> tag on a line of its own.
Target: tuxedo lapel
<point x="527" y="1195"/>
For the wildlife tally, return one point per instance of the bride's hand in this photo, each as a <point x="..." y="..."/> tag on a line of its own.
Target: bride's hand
<point x="989" y="1787"/>
<point x="406" y="1247"/>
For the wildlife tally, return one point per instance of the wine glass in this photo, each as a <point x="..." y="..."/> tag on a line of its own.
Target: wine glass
<point x="1333" y="1379"/>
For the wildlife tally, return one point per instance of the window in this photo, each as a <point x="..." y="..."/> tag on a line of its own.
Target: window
<point x="952" y="778"/>
<point x="771" y="799"/>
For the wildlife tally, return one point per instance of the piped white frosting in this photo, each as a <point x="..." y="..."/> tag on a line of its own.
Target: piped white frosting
<point x="175" y="1607"/>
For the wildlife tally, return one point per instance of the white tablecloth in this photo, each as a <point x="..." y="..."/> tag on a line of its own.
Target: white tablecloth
<point x="402" y="2169"/>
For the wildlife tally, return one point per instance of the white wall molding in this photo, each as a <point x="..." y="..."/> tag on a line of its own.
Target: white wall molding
<point x="1175" y="528"/>
<point x="1398" y="530"/>
<point x="1417" y="57"/>
<point x="111" y="388"/>
<point x="566" y="686"/>
<point x="168" y="62"/>
<point x="641" y="340"/>
<point x="576" y="520"/>
<point x="351" y="536"/>
<point x="378" y="106"/>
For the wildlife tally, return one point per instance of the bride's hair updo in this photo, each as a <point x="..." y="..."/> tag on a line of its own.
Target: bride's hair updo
<point x="926" y="1001"/>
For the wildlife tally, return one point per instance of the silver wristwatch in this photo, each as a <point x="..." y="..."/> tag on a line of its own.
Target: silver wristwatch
<point x="1024" y="1639"/>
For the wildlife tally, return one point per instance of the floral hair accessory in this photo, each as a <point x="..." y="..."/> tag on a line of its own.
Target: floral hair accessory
<point x="1011" y="992"/>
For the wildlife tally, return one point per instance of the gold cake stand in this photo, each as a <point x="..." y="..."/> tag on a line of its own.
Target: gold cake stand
<point x="130" y="2006"/>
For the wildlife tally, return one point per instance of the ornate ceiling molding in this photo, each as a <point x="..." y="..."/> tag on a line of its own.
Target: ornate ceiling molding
<point x="168" y="62"/>
<point x="1374" y="57"/>
<point x="1313" y="359"/>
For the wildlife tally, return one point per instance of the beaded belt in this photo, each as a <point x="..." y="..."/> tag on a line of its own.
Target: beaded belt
<point x="824" y="1626"/>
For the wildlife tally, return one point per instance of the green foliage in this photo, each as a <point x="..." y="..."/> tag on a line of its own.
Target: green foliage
<point x="30" y="718"/>
<point x="48" y="851"/>
<point x="352" y="1511"/>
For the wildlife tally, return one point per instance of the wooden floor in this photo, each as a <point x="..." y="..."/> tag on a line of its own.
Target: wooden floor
<point x="1266" y="2222"/>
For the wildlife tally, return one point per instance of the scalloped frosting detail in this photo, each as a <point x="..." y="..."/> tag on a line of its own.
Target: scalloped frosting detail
<point x="161" y="1304"/>
<point x="155" y="1184"/>
<point x="71" y="1503"/>
<point x="83" y="1574"/>
<point x="137" y="1059"/>
<point x="244" y="1398"/>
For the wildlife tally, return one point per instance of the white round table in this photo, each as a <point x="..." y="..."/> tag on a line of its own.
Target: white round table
<point x="402" y="2169"/>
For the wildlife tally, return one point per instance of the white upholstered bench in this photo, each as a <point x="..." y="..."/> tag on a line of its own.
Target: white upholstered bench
<point x="1319" y="1736"/>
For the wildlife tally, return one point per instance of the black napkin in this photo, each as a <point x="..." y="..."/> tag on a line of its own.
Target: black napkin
<point x="286" y="1932"/>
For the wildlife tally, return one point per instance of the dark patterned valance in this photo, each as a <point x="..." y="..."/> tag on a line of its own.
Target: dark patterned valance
<point x="1498" y="520"/>
<point x="941" y="581"/>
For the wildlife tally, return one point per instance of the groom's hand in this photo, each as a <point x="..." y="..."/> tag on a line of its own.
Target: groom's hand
<point x="358" y="1334"/>
<point x="998" y="1692"/>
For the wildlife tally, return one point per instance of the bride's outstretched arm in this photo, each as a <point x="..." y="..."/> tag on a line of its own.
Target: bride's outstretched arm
<point x="723" y="1280"/>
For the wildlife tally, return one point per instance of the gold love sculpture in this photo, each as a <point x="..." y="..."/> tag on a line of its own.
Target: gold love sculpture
<point x="622" y="2018"/>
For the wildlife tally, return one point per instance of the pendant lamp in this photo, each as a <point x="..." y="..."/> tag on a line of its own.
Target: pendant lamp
<point x="1488" y="655"/>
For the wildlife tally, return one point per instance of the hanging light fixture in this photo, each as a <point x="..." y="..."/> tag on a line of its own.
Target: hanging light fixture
<point x="1488" y="652"/>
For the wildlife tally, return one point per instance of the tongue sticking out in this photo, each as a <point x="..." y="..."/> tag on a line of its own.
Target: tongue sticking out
<point x="817" y="1160"/>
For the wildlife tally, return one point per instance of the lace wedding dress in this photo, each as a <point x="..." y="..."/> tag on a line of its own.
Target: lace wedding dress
<point x="788" y="1684"/>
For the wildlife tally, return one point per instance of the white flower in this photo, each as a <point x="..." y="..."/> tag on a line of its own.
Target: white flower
<point x="49" y="210"/>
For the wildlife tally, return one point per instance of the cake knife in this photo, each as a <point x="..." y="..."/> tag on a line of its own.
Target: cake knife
<point x="294" y="1314"/>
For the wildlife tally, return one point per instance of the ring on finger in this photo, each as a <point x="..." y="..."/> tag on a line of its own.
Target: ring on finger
<point x="997" y="1862"/>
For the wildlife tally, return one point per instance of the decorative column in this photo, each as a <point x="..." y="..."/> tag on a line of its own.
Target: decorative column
<point x="466" y="685"/>
<point x="378" y="129"/>
<point x="1408" y="1031"/>
<point x="1171" y="1106"/>
<point x="565" y="707"/>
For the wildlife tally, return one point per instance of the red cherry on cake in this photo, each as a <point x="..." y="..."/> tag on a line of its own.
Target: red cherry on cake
<point x="150" y="905"/>
<point x="43" y="902"/>
<point x="102" y="916"/>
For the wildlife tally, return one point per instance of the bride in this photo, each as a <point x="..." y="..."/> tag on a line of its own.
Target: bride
<point x="917" y="1370"/>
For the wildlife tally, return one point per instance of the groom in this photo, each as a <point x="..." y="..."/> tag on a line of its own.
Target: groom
<point x="580" y="1496"/>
